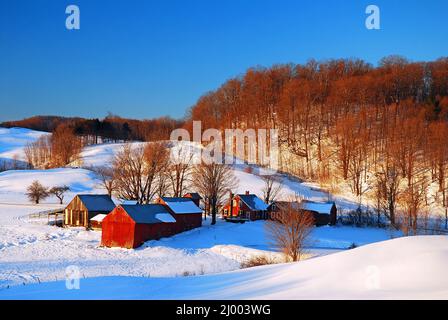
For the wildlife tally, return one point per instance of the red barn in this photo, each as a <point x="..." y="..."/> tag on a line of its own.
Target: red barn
<point x="129" y="226"/>
<point x="245" y="206"/>
<point x="187" y="214"/>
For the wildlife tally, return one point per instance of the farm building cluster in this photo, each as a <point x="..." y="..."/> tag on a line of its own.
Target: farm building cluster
<point x="130" y="225"/>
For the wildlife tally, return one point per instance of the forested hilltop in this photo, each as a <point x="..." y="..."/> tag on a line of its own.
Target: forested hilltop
<point x="111" y="128"/>
<point x="382" y="130"/>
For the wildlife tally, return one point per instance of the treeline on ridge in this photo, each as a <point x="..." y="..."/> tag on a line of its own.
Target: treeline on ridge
<point x="110" y="129"/>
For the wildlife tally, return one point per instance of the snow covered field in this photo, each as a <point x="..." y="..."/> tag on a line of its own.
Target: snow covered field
<point x="200" y="263"/>
<point x="33" y="253"/>
<point x="404" y="268"/>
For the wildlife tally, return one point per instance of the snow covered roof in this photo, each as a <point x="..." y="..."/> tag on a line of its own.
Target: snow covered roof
<point x="129" y="202"/>
<point x="149" y="213"/>
<point x="97" y="202"/>
<point x="320" y="207"/>
<point x="99" y="217"/>
<point x="253" y="202"/>
<point x="165" y="217"/>
<point x="181" y="205"/>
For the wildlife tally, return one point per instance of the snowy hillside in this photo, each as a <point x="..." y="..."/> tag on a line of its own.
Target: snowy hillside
<point x="13" y="183"/>
<point x="248" y="177"/>
<point x="101" y="154"/>
<point x="33" y="253"/>
<point x="13" y="141"/>
<point x="405" y="268"/>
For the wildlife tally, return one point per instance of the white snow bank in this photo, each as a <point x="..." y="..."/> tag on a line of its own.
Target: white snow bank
<point x="405" y="268"/>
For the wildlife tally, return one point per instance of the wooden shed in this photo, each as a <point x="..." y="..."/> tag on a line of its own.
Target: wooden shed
<point x="96" y="222"/>
<point x="84" y="207"/>
<point x="187" y="214"/>
<point x="129" y="226"/>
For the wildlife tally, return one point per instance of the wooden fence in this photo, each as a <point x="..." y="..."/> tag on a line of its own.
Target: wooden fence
<point x="57" y="214"/>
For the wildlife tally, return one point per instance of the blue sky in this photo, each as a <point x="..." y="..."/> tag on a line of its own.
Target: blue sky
<point x="144" y="58"/>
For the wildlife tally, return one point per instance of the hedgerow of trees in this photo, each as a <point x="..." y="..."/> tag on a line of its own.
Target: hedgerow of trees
<point x="55" y="150"/>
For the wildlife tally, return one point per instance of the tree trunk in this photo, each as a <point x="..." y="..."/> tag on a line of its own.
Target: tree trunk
<point x="214" y="211"/>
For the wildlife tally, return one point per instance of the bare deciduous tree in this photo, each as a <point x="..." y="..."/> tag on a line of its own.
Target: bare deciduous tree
<point x="272" y="187"/>
<point x="412" y="201"/>
<point x="180" y="169"/>
<point x="387" y="191"/>
<point x="163" y="183"/>
<point x="36" y="192"/>
<point x="55" y="150"/>
<point x="156" y="158"/>
<point x="65" y="146"/>
<point x="289" y="228"/>
<point x="38" y="153"/>
<point x="137" y="171"/>
<point x="213" y="181"/>
<point x="59" y="192"/>
<point x="107" y="177"/>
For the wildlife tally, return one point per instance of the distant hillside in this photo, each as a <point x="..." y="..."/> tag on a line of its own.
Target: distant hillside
<point x="39" y="123"/>
<point x="112" y="127"/>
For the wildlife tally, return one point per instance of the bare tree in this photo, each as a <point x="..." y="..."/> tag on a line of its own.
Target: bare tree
<point x="55" y="150"/>
<point x="412" y="201"/>
<point x="387" y="191"/>
<point x="156" y="158"/>
<point x="137" y="171"/>
<point x="128" y="172"/>
<point x="180" y="169"/>
<point x="289" y="228"/>
<point x="59" y="192"/>
<point x="38" y="153"/>
<point x="272" y="188"/>
<point x="36" y="192"/>
<point x="65" y="146"/>
<point x="107" y="177"/>
<point x="163" y="182"/>
<point x="213" y="181"/>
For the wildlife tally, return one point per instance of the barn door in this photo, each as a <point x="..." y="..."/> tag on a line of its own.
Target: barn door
<point x="79" y="217"/>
